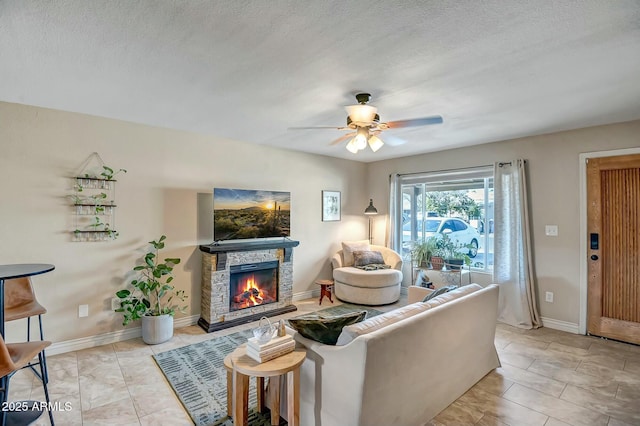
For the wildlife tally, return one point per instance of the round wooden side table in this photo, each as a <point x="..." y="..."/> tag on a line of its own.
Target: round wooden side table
<point x="228" y="366"/>
<point x="245" y="367"/>
<point x="326" y="286"/>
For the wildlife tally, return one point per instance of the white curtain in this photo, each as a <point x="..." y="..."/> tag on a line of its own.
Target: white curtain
<point x="513" y="267"/>
<point x="391" y="239"/>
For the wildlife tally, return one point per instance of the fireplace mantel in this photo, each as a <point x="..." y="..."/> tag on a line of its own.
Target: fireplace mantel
<point x="240" y="245"/>
<point x="221" y="248"/>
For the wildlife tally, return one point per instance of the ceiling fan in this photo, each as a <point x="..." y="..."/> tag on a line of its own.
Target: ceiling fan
<point x="364" y="125"/>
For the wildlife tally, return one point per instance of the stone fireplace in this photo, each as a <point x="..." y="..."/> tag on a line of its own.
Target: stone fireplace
<point x="244" y="281"/>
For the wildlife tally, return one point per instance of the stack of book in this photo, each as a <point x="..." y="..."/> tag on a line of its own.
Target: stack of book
<point x="274" y="348"/>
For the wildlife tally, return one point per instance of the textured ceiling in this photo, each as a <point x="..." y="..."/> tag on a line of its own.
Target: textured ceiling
<point x="249" y="70"/>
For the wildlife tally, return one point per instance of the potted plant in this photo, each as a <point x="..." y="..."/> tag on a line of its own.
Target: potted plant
<point x="453" y="253"/>
<point x="151" y="297"/>
<point x="438" y="254"/>
<point x="421" y="252"/>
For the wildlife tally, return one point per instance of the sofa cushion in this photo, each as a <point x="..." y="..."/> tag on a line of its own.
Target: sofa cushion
<point x="438" y="292"/>
<point x="325" y="329"/>
<point x="367" y="257"/>
<point x="453" y="294"/>
<point x="348" y="247"/>
<point x="350" y="332"/>
<point x="368" y="279"/>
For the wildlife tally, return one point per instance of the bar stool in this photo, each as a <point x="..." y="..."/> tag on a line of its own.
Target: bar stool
<point x="20" y="302"/>
<point x="13" y="358"/>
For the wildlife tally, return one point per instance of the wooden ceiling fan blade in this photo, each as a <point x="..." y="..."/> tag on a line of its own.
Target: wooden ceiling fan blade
<point x="342" y="138"/>
<point x="424" y="121"/>
<point x="317" y="127"/>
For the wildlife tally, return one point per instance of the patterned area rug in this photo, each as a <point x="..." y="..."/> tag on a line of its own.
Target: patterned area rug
<point x="197" y="375"/>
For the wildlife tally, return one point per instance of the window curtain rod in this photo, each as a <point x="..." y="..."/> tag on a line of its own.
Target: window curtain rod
<point x="444" y="171"/>
<point x="509" y="163"/>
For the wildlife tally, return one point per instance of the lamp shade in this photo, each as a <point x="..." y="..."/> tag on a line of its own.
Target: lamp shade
<point x="351" y="146"/>
<point x="360" y="141"/>
<point x="370" y="209"/>
<point x="375" y="143"/>
<point x="361" y="114"/>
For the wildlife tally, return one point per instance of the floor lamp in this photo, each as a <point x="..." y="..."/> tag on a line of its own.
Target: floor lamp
<point x="371" y="211"/>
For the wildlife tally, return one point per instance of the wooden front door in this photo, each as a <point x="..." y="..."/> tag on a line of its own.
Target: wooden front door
<point x="613" y="243"/>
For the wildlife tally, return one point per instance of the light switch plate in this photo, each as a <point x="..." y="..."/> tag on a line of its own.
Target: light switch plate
<point x="83" y="311"/>
<point x="551" y="230"/>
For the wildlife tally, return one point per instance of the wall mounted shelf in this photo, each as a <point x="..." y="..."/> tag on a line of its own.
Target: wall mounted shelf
<point x="94" y="202"/>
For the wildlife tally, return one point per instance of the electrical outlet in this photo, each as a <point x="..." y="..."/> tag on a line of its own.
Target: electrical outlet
<point x="551" y="230"/>
<point x="83" y="311"/>
<point x="548" y="296"/>
<point x="115" y="303"/>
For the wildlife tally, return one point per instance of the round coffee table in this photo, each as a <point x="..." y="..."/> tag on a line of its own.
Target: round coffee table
<point x="245" y="367"/>
<point x="325" y="289"/>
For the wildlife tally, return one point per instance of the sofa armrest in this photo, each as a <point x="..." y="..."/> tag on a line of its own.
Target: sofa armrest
<point x="416" y="294"/>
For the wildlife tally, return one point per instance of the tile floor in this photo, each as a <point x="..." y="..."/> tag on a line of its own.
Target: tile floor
<point x="547" y="378"/>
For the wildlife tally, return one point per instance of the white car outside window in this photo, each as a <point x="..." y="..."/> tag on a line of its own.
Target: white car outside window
<point x="457" y="229"/>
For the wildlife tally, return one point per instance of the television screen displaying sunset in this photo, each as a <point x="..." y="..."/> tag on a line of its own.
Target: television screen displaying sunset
<point x="245" y="213"/>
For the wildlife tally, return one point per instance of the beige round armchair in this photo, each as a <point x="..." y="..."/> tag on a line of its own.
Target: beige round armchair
<point x="366" y="287"/>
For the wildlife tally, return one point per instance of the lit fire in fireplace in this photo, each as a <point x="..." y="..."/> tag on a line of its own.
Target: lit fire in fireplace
<point x="251" y="295"/>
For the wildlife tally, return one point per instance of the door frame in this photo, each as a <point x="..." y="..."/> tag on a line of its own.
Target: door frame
<point x="582" y="167"/>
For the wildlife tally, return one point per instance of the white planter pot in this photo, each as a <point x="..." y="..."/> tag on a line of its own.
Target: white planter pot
<point x="157" y="329"/>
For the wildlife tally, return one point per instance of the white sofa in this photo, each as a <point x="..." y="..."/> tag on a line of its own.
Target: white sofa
<point x="368" y="287"/>
<point x="413" y="362"/>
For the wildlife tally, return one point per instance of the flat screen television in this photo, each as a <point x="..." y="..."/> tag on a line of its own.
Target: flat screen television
<point x="247" y="213"/>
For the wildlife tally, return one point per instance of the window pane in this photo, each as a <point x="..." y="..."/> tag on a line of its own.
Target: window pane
<point x="460" y="203"/>
<point x="432" y="225"/>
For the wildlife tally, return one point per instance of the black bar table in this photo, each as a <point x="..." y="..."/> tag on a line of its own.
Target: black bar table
<point x="8" y="272"/>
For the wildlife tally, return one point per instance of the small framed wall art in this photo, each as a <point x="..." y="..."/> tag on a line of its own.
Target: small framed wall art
<point x="330" y="206"/>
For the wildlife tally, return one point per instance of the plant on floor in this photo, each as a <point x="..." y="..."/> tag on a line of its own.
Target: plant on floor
<point x="151" y="293"/>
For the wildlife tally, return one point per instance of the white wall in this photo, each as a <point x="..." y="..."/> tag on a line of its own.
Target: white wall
<point x="554" y="195"/>
<point x="169" y="172"/>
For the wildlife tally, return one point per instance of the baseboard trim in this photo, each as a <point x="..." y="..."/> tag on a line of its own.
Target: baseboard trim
<point x="112" y="337"/>
<point x="132" y="333"/>
<point x="305" y="295"/>
<point x="569" y="327"/>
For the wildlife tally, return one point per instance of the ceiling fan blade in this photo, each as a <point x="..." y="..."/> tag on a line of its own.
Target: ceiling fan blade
<point x="318" y="127"/>
<point x="393" y="141"/>
<point x="424" y="121"/>
<point x="342" y="138"/>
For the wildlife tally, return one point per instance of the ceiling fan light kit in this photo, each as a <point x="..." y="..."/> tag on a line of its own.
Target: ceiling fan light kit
<point x="361" y="138"/>
<point x="375" y="143"/>
<point x="364" y="119"/>
<point x="361" y="115"/>
<point x="351" y="146"/>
